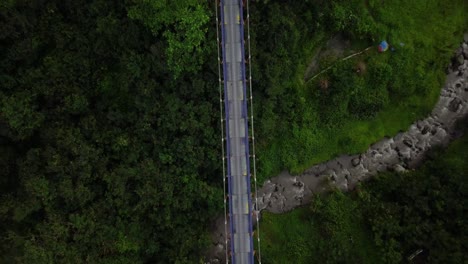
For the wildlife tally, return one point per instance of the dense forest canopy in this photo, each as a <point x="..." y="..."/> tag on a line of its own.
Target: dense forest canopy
<point x="109" y="118"/>
<point x="108" y="131"/>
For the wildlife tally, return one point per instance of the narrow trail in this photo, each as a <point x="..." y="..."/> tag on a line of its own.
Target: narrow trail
<point x="343" y="59"/>
<point x="334" y="47"/>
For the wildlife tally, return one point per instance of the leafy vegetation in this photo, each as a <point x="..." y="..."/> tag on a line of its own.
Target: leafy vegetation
<point x="301" y="123"/>
<point x="108" y="145"/>
<point x="385" y="220"/>
<point x="328" y="232"/>
<point x="109" y="140"/>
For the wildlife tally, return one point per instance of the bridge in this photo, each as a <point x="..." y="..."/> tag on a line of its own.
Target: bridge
<point x="236" y="139"/>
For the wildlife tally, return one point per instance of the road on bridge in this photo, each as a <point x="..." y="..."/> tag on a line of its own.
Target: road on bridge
<point x="237" y="140"/>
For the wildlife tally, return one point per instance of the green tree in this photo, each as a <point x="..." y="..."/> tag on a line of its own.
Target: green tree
<point x="423" y="209"/>
<point x="183" y="24"/>
<point x="106" y="160"/>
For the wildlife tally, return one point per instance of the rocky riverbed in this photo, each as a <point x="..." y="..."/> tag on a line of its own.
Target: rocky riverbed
<point x="402" y="152"/>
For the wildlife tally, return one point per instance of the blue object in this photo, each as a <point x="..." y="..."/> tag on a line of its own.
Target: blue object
<point x="383" y="46"/>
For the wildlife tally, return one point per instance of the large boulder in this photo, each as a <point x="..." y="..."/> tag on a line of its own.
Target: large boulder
<point x="355" y="162"/>
<point x="454" y="104"/>
<point x="398" y="168"/>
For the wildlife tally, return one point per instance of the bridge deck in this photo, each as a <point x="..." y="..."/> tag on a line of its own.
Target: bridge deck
<point x="237" y="140"/>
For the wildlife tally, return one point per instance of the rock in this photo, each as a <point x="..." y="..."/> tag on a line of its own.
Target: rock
<point x="355" y="162"/>
<point x="465" y="50"/>
<point x="462" y="67"/>
<point x="420" y="124"/>
<point x="375" y="154"/>
<point x="405" y="154"/>
<point x="398" y="168"/>
<point x="460" y="59"/>
<point x="425" y="130"/>
<point x="408" y="142"/>
<point x="298" y="184"/>
<point x="454" y="104"/>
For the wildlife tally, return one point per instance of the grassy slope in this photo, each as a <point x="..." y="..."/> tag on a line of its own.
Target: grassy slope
<point x="295" y="237"/>
<point x="429" y="37"/>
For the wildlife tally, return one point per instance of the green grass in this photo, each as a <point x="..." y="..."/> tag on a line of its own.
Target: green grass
<point x="277" y="229"/>
<point x="303" y="236"/>
<point x="299" y="138"/>
<point x="310" y="145"/>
